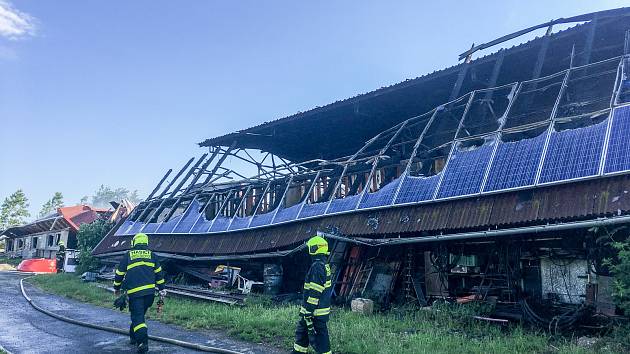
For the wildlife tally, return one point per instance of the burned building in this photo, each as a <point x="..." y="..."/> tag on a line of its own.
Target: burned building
<point x="502" y="177"/>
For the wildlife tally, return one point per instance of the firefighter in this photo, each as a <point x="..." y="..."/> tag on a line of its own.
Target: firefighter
<point x="315" y="310"/>
<point x="60" y="256"/>
<point x="141" y="273"/>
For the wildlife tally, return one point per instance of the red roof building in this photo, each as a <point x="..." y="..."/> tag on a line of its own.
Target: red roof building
<point x="40" y="238"/>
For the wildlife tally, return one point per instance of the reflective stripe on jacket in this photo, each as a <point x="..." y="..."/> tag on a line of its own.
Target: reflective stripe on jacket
<point x="140" y="273"/>
<point x="317" y="289"/>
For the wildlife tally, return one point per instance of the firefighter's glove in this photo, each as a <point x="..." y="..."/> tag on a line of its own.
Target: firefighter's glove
<point x="162" y="293"/>
<point x="121" y="302"/>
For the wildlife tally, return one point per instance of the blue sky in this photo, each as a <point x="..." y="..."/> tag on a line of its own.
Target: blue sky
<point x="117" y="92"/>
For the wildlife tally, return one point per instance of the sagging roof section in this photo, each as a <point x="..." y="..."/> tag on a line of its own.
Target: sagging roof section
<point x="338" y="128"/>
<point x="545" y="133"/>
<point x="590" y="199"/>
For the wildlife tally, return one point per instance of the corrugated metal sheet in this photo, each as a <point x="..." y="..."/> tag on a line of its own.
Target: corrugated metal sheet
<point x="572" y="201"/>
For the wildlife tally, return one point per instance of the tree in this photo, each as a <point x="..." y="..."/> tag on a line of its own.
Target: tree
<point x="88" y="236"/>
<point x="14" y="210"/>
<point x="105" y="194"/>
<point x="52" y="204"/>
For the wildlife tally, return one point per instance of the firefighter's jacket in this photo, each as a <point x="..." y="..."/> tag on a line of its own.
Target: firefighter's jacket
<point x="139" y="272"/>
<point x="317" y="289"/>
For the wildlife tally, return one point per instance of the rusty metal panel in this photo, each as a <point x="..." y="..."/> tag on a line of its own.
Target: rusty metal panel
<point x="248" y="242"/>
<point x="470" y="213"/>
<point x="514" y="208"/>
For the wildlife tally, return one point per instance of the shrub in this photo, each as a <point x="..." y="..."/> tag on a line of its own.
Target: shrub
<point x="88" y="236"/>
<point x="621" y="272"/>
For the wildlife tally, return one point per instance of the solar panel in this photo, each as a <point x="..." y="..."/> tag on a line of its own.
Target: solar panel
<point x="123" y="228"/>
<point x="382" y="197"/>
<point x="135" y="228"/>
<point x="167" y="227"/>
<point x="343" y="204"/>
<point x="262" y="219"/>
<point x="312" y="210"/>
<point x="240" y="223"/>
<point x="417" y="189"/>
<point x="286" y="214"/>
<point x="574" y="153"/>
<point x="618" y="155"/>
<point x="150" y="227"/>
<point x="202" y="225"/>
<point x="189" y="217"/>
<point x="515" y="163"/>
<point x="221" y="223"/>
<point x="465" y="170"/>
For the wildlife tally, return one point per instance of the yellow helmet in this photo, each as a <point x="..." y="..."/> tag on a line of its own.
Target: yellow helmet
<point x="60" y="243"/>
<point x="140" y="239"/>
<point x="317" y="245"/>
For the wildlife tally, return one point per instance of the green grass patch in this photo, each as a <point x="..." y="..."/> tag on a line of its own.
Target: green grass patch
<point x="447" y="329"/>
<point x="11" y="261"/>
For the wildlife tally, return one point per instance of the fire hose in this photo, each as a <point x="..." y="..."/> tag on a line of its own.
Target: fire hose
<point x="176" y="342"/>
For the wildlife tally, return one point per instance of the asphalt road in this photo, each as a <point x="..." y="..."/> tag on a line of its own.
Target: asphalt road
<point x="25" y="330"/>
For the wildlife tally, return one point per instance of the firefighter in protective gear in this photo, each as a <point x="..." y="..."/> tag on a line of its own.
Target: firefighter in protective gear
<point x="139" y="272"/>
<point x="312" y="327"/>
<point x="60" y="256"/>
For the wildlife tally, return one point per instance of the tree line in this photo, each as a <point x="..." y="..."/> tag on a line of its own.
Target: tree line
<point x="14" y="208"/>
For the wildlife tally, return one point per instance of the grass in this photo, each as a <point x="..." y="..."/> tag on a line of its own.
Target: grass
<point x="11" y="261"/>
<point x="445" y="330"/>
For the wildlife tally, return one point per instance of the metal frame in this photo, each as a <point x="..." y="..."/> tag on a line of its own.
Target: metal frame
<point x="317" y="167"/>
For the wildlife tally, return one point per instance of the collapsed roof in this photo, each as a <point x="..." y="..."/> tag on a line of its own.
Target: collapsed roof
<point x="339" y="128"/>
<point x="503" y="141"/>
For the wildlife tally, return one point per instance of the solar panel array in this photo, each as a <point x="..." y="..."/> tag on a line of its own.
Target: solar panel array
<point x="343" y="204"/>
<point x="417" y="189"/>
<point x="465" y="170"/>
<point x="239" y="223"/>
<point x="618" y="156"/>
<point x="220" y="223"/>
<point x="475" y="165"/>
<point x="262" y="219"/>
<point x="288" y="214"/>
<point x="169" y="226"/>
<point x="384" y="196"/>
<point x="189" y="218"/>
<point x="574" y="153"/>
<point x="309" y="210"/>
<point x="515" y="163"/>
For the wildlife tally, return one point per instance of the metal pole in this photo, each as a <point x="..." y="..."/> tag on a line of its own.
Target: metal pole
<point x="159" y="184"/>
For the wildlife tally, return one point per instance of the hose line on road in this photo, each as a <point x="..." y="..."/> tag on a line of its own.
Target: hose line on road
<point x="180" y="343"/>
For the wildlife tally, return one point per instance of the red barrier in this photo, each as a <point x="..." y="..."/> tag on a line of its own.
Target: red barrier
<point x="38" y="265"/>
